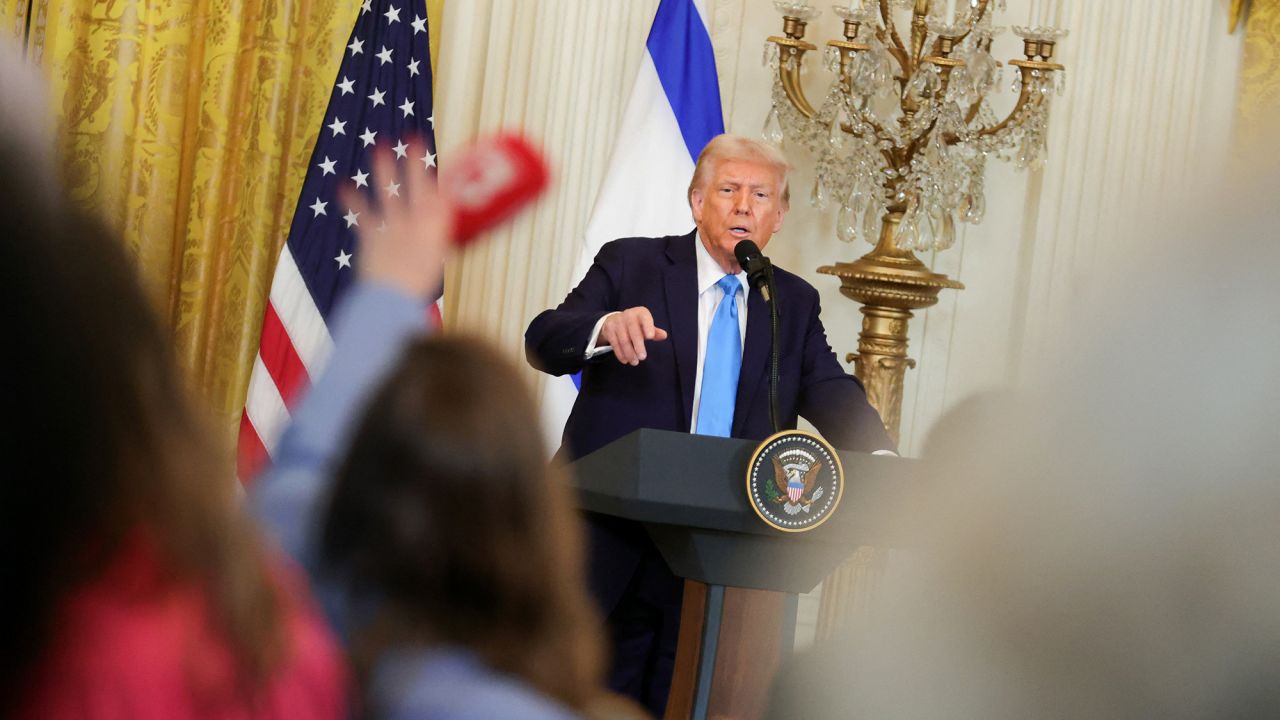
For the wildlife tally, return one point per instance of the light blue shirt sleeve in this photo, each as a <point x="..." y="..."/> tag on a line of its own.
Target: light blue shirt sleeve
<point x="371" y="328"/>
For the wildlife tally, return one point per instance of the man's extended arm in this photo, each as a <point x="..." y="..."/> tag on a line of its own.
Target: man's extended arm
<point x="556" y="341"/>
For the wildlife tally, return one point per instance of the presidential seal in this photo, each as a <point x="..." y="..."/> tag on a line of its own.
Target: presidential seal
<point x="794" y="481"/>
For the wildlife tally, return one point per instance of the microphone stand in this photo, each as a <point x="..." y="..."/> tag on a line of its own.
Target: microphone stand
<point x="771" y="298"/>
<point x="760" y="275"/>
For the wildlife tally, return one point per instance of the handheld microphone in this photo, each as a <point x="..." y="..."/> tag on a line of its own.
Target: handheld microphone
<point x="490" y="181"/>
<point x="758" y="268"/>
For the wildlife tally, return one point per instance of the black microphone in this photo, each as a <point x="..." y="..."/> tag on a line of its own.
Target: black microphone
<point x="757" y="267"/>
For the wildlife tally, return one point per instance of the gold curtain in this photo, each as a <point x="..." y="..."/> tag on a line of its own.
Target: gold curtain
<point x="187" y="124"/>
<point x="1259" y="97"/>
<point x="13" y="19"/>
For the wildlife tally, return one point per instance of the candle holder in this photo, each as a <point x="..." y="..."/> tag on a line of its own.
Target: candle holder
<point x="901" y="140"/>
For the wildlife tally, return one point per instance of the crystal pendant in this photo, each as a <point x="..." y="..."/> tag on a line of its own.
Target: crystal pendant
<point x="1016" y="85"/>
<point x="973" y="208"/>
<point x="770" y="58"/>
<point x="819" y="195"/>
<point x="908" y="228"/>
<point x="984" y="70"/>
<point x="1060" y="82"/>
<point x="871" y="223"/>
<point x="862" y="75"/>
<point x="946" y="232"/>
<point x="846" y="224"/>
<point x="1027" y="152"/>
<point x="908" y="233"/>
<point x="924" y="84"/>
<point x="961" y="86"/>
<point x="773" y="127"/>
<point x="925" y="233"/>
<point x="836" y="136"/>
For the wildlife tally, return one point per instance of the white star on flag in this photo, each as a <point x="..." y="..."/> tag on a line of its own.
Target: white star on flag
<point x="372" y="104"/>
<point x="429" y="160"/>
<point x="432" y="119"/>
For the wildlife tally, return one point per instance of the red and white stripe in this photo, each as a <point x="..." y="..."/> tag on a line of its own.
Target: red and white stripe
<point x="294" y="349"/>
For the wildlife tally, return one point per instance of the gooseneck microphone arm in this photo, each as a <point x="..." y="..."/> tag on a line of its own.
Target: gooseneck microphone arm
<point x="760" y="276"/>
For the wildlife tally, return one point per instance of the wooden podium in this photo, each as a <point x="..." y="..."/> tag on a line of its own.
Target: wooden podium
<point x="742" y="577"/>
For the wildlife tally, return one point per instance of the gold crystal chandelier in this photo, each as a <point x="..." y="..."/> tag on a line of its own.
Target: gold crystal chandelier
<point x="901" y="141"/>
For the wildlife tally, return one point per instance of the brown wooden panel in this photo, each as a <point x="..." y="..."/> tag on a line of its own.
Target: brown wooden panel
<point x="749" y="653"/>
<point x="689" y="651"/>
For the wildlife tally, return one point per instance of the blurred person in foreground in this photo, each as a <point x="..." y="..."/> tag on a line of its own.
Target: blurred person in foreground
<point x="135" y="583"/>
<point x="412" y="485"/>
<point x="1104" y="545"/>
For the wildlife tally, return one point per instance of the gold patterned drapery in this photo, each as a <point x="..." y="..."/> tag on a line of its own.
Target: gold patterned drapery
<point x="187" y="124"/>
<point x="1259" y="98"/>
<point x="13" y="20"/>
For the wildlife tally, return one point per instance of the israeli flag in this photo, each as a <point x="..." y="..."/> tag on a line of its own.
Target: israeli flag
<point x="674" y="111"/>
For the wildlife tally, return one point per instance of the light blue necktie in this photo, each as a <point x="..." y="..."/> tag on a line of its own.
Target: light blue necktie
<point x="721" y="366"/>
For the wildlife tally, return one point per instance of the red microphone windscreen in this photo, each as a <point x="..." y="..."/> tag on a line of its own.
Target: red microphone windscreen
<point x="490" y="181"/>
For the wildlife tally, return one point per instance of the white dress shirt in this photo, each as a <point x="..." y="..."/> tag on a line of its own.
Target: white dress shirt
<point x="709" y="296"/>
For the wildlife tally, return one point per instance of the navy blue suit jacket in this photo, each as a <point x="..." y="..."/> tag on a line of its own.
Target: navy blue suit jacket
<point x="661" y="275"/>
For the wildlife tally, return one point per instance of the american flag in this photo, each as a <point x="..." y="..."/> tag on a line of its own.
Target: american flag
<point x="381" y="97"/>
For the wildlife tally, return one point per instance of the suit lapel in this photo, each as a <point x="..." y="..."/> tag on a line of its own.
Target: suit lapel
<point x="755" y="358"/>
<point x="680" y="283"/>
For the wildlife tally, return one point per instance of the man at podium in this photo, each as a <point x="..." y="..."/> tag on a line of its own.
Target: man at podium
<point x="668" y="334"/>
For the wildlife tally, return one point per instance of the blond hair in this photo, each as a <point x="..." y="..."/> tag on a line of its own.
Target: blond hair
<point x="737" y="147"/>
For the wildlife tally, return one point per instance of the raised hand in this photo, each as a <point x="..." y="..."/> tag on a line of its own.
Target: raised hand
<point x="406" y="235"/>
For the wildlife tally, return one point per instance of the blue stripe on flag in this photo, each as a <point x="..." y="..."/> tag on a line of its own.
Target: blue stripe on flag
<point x="681" y="52"/>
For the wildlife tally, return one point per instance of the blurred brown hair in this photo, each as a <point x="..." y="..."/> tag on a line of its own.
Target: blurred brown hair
<point x="446" y="509"/>
<point x="106" y="447"/>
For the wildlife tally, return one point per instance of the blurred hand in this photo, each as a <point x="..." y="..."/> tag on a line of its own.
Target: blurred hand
<point x="405" y="238"/>
<point x="627" y="331"/>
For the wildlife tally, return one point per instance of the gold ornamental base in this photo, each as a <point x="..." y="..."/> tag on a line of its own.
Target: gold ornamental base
<point x="889" y="283"/>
